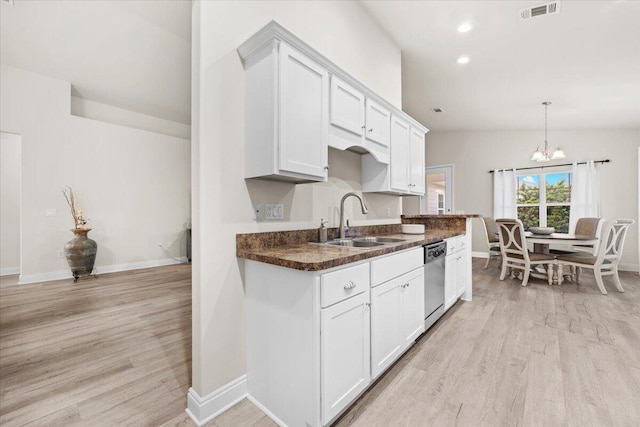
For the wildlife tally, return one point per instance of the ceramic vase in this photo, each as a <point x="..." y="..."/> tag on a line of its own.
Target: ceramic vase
<point x="80" y="253"/>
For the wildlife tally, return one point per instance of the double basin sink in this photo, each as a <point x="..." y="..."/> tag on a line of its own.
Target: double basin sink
<point x="364" y="242"/>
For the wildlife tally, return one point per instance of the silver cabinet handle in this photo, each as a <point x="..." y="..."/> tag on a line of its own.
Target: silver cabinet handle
<point x="371" y="130"/>
<point x="368" y="304"/>
<point x="363" y="127"/>
<point x="327" y="167"/>
<point x="349" y="285"/>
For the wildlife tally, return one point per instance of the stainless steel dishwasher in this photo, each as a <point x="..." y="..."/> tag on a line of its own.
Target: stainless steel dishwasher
<point x="434" y="254"/>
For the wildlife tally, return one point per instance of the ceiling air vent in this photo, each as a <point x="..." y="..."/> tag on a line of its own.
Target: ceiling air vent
<point x="541" y="10"/>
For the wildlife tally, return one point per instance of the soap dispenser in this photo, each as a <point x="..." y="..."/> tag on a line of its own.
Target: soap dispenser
<point x="322" y="231"/>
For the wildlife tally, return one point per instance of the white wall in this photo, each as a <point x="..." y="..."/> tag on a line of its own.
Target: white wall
<point x="133" y="185"/>
<point x="222" y="199"/>
<point x="10" y="166"/>
<point x="475" y="153"/>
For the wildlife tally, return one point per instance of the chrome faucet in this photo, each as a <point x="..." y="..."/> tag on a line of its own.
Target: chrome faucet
<point x="362" y="205"/>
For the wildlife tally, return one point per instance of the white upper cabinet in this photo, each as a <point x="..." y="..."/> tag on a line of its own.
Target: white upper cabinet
<point x="416" y="164"/>
<point x="303" y="115"/>
<point x="286" y="115"/>
<point x="405" y="172"/>
<point x="347" y="108"/>
<point x="358" y="122"/>
<point x="298" y="103"/>
<point x="400" y="156"/>
<point x="378" y="123"/>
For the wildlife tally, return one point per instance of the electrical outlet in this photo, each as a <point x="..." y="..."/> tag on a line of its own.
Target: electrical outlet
<point x="273" y="211"/>
<point x="60" y="254"/>
<point x="50" y="212"/>
<point x="388" y="211"/>
<point x="258" y="211"/>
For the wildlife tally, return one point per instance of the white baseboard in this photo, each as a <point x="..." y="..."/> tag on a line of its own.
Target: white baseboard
<point x="138" y="265"/>
<point x="627" y="267"/>
<point x="66" y="274"/>
<point x="267" y="412"/>
<point x="9" y="271"/>
<point x="203" y="409"/>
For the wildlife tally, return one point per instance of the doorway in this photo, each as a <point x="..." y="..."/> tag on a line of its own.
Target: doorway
<point x="10" y="190"/>
<point x="438" y="196"/>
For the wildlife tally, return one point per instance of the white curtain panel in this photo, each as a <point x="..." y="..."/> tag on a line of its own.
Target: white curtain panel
<point x="504" y="194"/>
<point x="585" y="193"/>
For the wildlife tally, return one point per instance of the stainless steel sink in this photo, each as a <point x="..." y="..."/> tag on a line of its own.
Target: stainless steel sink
<point x="378" y="239"/>
<point x="354" y="243"/>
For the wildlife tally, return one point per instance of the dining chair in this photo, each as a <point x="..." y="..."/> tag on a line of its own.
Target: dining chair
<point x="591" y="227"/>
<point x="515" y="253"/>
<point x="491" y="234"/>
<point x="588" y="227"/>
<point x="605" y="262"/>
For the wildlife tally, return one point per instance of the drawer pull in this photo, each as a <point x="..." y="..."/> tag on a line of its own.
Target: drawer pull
<point x="349" y="285"/>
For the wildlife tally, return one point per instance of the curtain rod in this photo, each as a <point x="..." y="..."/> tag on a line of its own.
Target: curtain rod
<point x="556" y="166"/>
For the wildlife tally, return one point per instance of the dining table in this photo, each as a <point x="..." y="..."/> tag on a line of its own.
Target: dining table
<point x="541" y="244"/>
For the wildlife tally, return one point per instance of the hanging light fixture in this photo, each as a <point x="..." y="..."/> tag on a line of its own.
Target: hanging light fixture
<point x="546" y="153"/>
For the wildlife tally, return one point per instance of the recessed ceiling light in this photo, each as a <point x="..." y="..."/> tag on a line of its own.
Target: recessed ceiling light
<point x="463" y="60"/>
<point x="464" y="28"/>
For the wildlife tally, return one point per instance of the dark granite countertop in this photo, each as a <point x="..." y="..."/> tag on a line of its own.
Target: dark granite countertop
<point x="451" y="216"/>
<point x="315" y="257"/>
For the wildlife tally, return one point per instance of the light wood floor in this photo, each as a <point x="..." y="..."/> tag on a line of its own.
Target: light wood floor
<point x="536" y="356"/>
<point x="110" y="351"/>
<point x="117" y="351"/>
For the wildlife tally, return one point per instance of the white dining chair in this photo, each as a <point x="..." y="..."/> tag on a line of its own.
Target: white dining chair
<point x="588" y="227"/>
<point x="515" y="253"/>
<point x="605" y="262"/>
<point x="493" y="241"/>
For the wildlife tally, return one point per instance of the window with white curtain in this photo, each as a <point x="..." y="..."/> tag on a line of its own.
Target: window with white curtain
<point x="543" y="200"/>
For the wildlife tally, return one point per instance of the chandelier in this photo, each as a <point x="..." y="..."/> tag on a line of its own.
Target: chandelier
<point x="546" y="153"/>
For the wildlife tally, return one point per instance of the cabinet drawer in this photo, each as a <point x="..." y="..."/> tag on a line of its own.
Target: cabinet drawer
<point x="455" y="244"/>
<point x="395" y="265"/>
<point x="342" y="284"/>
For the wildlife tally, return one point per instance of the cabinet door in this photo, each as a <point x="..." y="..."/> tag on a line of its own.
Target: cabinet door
<point x="412" y="306"/>
<point x="450" y="284"/>
<point x="461" y="272"/>
<point x="417" y="183"/>
<point x="377" y="123"/>
<point x="304" y="110"/>
<point x="399" y="165"/>
<point x="347" y="107"/>
<point x="385" y="325"/>
<point x="345" y="353"/>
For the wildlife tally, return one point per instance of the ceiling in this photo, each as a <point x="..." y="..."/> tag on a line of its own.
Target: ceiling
<point x="586" y="59"/>
<point x="130" y="54"/>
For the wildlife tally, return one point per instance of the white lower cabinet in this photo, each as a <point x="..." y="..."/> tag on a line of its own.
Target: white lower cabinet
<point x="413" y="307"/>
<point x="456" y="276"/>
<point x="450" y="281"/>
<point x="315" y="340"/>
<point x="397" y="318"/>
<point x="385" y="325"/>
<point x="345" y="354"/>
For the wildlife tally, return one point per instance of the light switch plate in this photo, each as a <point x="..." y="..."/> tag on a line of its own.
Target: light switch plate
<point x="273" y="211"/>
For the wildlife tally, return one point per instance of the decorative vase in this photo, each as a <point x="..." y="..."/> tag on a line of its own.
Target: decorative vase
<point x="81" y="253"/>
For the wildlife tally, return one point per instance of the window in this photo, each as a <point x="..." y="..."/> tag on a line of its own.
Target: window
<point x="440" y="203"/>
<point x="543" y="200"/>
